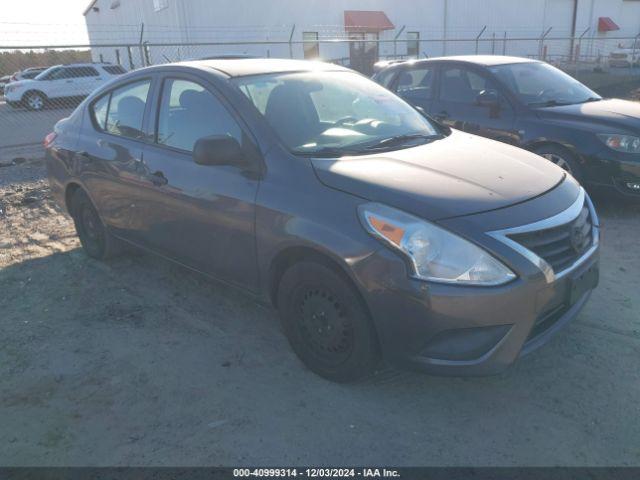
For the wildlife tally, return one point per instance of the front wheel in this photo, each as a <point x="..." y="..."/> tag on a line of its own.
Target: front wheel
<point x="562" y="158"/>
<point x="326" y="323"/>
<point x="34" y="101"/>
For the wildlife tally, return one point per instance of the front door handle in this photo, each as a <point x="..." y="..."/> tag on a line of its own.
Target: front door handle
<point x="158" y="179"/>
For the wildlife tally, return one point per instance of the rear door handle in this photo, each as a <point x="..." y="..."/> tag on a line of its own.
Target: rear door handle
<point x="158" y="179"/>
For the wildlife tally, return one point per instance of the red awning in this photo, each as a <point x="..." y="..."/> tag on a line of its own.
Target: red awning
<point x="366" y="21"/>
<point x="605" y="24"/>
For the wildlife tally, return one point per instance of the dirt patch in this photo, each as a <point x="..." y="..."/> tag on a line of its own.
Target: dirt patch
<point x="139" y="362"/>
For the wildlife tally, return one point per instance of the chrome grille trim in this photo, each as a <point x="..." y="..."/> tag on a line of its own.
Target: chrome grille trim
<point x="567" y="216"/>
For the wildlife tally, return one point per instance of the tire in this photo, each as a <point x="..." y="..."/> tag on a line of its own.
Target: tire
<point x="96" y="240"/>
<point x="34" y="101"/>
<point x="563" y="158"/>
<point x="326" y="323"/>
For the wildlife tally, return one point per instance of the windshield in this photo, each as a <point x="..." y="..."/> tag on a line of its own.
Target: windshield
<point x="44" y="75"/>
<point x="31" y="74"/>
<point x="540" y="84"/>
<point x="334" y="113"/>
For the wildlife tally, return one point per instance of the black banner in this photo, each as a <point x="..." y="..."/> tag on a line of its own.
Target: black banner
<point x="222" y="473"/>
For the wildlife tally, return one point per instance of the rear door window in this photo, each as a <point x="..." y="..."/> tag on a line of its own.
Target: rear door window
<point x="462" y="85"/>
<point x="416" y="83"/>
<point x="79" y="72"/>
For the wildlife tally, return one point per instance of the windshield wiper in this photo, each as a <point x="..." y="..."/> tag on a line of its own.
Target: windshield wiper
<point x="365" y="148"/>
<point x="549" y="103"/>
<point x="591" y="99"/>
<point x="400" y="139"/>
<point x="327" y="152"/>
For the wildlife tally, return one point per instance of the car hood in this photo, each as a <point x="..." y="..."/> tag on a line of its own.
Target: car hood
<point x="614" y="112"/>
<point x="459" y="175"/>
<point x="22" y="83"/>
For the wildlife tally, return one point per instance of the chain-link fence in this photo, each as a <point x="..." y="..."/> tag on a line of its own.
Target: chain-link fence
<point x="35" y="97"/>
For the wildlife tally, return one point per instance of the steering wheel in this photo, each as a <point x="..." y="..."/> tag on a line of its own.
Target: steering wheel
<point x="545" y="91"/>
<point x="344" y="120"/>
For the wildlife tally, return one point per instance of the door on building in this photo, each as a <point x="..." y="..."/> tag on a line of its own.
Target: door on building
<point x="363" y="27"/>
<point x="363" y="52"/>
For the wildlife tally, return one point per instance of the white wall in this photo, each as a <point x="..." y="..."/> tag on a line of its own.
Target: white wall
<point x="192" y="21"/>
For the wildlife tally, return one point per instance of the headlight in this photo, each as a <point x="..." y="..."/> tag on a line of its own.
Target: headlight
<point x="621" y="143"/>
<point x="434" y="253"/>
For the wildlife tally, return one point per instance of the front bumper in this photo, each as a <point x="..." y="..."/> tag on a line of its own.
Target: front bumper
<point x="616" y="171"/>
<point x="455" y="330"/>
<point x="12" y="96"/>
<point x="619" y="62"/>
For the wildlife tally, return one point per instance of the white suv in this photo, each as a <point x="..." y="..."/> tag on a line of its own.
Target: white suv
<point x="59" y="84"/>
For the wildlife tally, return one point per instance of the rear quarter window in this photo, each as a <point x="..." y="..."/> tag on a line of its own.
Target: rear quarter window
<point x="120" y="112"/>
<point x="99" y="110"/>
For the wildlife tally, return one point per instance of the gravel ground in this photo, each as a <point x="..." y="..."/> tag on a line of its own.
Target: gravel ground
<point x="139" y="362"/>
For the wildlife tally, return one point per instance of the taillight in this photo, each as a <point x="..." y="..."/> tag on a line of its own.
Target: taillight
<point x="48" y="140"/>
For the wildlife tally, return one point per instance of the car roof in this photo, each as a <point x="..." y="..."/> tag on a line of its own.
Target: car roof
<point x="258" y="66"/>
<point x="485" y="60"/>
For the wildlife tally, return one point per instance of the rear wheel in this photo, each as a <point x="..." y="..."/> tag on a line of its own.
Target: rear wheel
<point x="562" y="158"/>
<point x="34" y="101"/>
<point x="96" y="240"/>
<point x="326" y="323"/>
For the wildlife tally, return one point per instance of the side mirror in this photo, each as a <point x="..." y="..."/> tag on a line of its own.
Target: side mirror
<point x="421" y="110"/>
<point x="488" y="98"/>
<point x="444" y="129"/>
<point x="218" y="150"/>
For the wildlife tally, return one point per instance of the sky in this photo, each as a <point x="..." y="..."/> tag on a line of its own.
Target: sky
<point x="42" y="22"/>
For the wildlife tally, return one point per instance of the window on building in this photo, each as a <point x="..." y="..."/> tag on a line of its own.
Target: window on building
<point x="160" y="5"/>
<point x="188" y="113"/>
<point x="413" y="44"/>
<point x="311" y="45"/>
<point x="126" y="109"/>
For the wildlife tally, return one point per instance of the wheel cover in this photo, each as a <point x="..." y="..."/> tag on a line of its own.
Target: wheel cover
<point x="91" y="230"/>
<point x="559" y="161"/>
<point x="325" y="326"/>
<point x="35" y="101"/>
